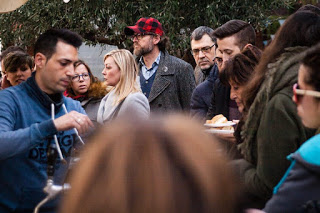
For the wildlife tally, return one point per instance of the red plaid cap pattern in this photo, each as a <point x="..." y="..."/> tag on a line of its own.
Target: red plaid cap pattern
<point x="145" y="25"/>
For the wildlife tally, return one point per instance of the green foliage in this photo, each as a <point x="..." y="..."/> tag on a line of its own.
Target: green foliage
<point x="103" y="21"/>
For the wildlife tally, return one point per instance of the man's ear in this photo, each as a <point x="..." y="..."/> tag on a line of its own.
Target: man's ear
<point x="247" y="46"/>
<point x="156" y="39"/>
<point x="40" y="60"/>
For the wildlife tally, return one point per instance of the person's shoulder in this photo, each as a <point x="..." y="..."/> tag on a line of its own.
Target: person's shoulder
<point x="70" y="103"/>
<point x="283" y="99"/>
<point x="204" y="85"/>
<point x="136" y="100"/>
<point x="310" y="150"/>
<point x="12" y="90"/>
<point x="137" y="95"/>
<point x="6" y="94"/>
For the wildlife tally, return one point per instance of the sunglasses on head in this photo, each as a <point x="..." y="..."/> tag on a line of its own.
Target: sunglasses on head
<point x="299" y="93"/>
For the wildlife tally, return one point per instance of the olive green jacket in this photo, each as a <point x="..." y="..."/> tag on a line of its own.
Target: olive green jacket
<point x="272" y="130"/>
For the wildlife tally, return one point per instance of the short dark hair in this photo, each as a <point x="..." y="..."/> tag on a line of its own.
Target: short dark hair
<point x="243" y="31"/>
<point x="240" y="67"/>
<point x="46" y="43"/>
<point x="17" y="59"/>
<point x="9" y="50"/>
<point x="312" y="61"/>
<point x="199" y="32"/>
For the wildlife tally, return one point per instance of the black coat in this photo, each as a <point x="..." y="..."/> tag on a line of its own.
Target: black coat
<point x="201" y="96"/>
<point x="219" y="100"/>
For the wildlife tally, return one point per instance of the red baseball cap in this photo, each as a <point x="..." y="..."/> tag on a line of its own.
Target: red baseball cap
<point x="145" y="25"/>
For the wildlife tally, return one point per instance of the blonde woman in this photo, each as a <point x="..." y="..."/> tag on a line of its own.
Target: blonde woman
<point x="125" y="99"/>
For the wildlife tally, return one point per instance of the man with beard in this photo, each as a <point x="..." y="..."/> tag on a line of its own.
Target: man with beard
<point x="166" y="81"/>
<point x="203" y="51"/>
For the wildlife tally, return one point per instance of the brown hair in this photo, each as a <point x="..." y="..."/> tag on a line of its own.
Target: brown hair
<point x="14" y="60"/>
<point x="243" y="31"/>
<point x="80" y="62"/>
<point x="240" y="67"/>
<point x="163" y="165"/>
<point x="310" y="8"/>
<point x="312" y="61"/>
<point x="300" y="29"/>
<point x="96" y="88"/>
<point x="9" y="50"/>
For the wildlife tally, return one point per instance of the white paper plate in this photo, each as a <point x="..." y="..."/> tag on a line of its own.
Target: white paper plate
<point x="229" y="123"/>
<point x="219" y="131"/>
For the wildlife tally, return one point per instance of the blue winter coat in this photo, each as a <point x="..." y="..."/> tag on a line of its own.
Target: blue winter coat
<point x="301" y="182"/>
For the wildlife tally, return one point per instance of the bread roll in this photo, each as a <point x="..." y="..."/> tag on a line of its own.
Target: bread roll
<point x="219" y="119"/>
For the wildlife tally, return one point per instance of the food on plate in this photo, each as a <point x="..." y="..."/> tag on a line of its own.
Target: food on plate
<point x="226" y="128"/>
<point x="220" y="119"/>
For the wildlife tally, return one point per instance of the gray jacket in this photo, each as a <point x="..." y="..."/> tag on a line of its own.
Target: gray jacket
<point x="91" y="106"/>
<point x="134" y="106"/>
<point x="173" y="85"/>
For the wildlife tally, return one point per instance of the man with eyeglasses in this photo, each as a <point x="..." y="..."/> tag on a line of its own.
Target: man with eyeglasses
<point x="166" y="81"/>
<point x="203" y="51"/>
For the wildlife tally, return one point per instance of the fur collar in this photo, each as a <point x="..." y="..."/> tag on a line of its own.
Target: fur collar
<point x="97" y="90"/>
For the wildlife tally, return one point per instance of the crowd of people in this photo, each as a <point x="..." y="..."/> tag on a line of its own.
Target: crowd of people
<point x="139" y="134"/>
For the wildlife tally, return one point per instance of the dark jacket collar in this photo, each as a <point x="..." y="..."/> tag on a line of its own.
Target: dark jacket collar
<point x="214" y="73"/>
<point x="43" y="98"/>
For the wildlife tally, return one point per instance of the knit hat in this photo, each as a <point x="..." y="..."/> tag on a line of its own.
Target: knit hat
<point x="145" y="25"/>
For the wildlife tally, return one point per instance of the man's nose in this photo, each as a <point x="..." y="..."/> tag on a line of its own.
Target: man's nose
<point x="225" y="57"/>
<point x="70" y="70"/>
<point x="134" y="39"/>
<point x="201" y="54"/>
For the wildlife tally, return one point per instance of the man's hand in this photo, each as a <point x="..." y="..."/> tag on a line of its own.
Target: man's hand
<point x="73" y="120"/>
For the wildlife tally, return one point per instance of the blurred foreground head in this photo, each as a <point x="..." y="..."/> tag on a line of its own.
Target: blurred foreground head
<point x="163" y="165"/>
